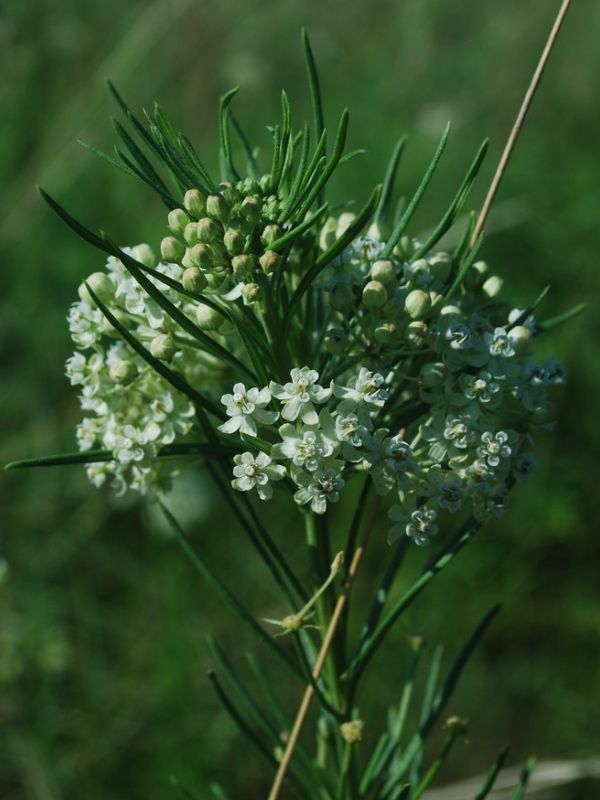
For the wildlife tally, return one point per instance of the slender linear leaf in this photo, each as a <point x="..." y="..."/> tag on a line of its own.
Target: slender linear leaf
<point x="389" y="181"/>
<point x="521" y="787"/>
<point x="564" y="317"/>
<point x="314" y="86"/>
<point x="490" y="778"/>
<point x="224" y="137"/>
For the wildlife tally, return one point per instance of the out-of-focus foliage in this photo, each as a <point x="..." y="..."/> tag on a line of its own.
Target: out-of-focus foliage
<point x="102" y="650"/>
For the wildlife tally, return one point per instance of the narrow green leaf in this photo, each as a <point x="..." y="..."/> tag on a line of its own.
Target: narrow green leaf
<point x="530" y="309"/>
<point x="226" y="595"/>
<point x="224" y="133"/>
<point x="352" y="154"/>
<point x="564" y="317"/>
<point x="142" y="162"/>
<point x="250" y="157"/>
<point x="389" y="181"/>
<point x="298" y="178"/>
<point x="416" y="198"/>
<point x="465" y="267"/>
<point x="521" y="787"/>
<point x="142" y="131"/>
<point x="435" y="767"/>
<point x="204" y="182"/>
<point x="314" y="86"/>
<point x="490" y="778"/>
<point x="289" y="237"/>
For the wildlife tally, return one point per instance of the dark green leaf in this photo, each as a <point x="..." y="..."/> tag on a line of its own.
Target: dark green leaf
<point x="389" y="181"/>
<point x="490" y="778"/>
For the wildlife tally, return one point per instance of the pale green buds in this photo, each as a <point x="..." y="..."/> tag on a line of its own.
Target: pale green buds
<point x="251" y="292"/>
<point x="177" y="220"/>
<point x="194" y="202"/>
<point x="145" y="255"/>
<point x="374" y="295"/>
<point x="352" y="731"/>
<point x="250" y="209"/>
<point x="379" y="230"/>
<point x="171" y="249"/>
<point x="108" y="329"/>
<point x="163" y="347"/>
<point x="417" y="304"/>
<point x="335" y="341"/>
<point x="233" y="241"/>
<point x="345" y="220"/>
<point x="269" y="261"/>
<point x="417" y="333"/>
<point x="209" y="319"/>
<point x="383" y="271"/>
<point x="190" y="233"/>
<point x="386" y="332"/>
<point x="493" y="286"/>
<point x="208" y="230"/>
<point x="341" y="298"/>
<point x="122" y="372"/>
<point x="100" y="284"/>
<point x="193" y="280"/>
<point x="405" y="248"/>
<point x="441" y="265"/>
<point x="476" y="275"/>
<point x="243" y="267"/>
<point x="200" y="256"/>
<point x="433" y="375"/>
<point x="327" y="236"/>
<point x="217" y="207"/>
<point x="270" y="234"/>
<point x="520" y="337"/>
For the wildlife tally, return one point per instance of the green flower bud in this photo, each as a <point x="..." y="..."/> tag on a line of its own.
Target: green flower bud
<point x="193" y="280"/>
<point x="416" y="333"/>
<point x="417" y="303"/>
<point x="449" y="310"/>
<point x="250" y="209"/>
<point x="335" y="341"/>
<point x="217" y="207"/>
<point x="270" y="234"/>
<point x="233" y="241"/>
<point x="163" y="347"/>
<point x="177" y="220"/>
<point x="208" y="230"/>
<point x="341" y="298"/>
<point x="344" y="221"/>
<point x="101" y="285"/>
<point x="108" y="329"/>
<point x="265" y="183"/>
<point x="404" y="249"/>
<point x="476" y="275"/>
<point x="229" y="193"/>
<point x="327" y="236"/>
<point x="269" y="261"/>
<point x="145" y="255"/>
<point x="386" y="332"/>
<point x="171" y="249"/>
<point x="440" y="265"/>
<point x="457" y="725"/>
<point x="250" y="292"/>
<point x="194" y="202"/>
<point x="493" y="286"/>
<point x="520" y="337"/>
<point x="208" y="318"/>
<point x="383" y="271"/>
<point x="352" y="731"/>
<point x="379" y="230"/>
<point x="374" y="295"/>
<point x="250" y="186"/>
<point x="436" y="298"/>
<point x="190" y="233"/>
<point x="122" y="372"/>
<point x="243" y="267"/>
<point x="433" y="375"/>
<point x="200" y="256"/>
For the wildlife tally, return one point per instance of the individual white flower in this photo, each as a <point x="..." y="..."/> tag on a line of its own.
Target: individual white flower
<point x="246" y="407"/>
<point x="419" y="525"/>
<point x="493" y="447"/>
<point x="391" y="461"/>
<point x="500" y="343"/>
<point x="300" y="394"/>
<point x="482" y="388"/>
<point x="458" y="431"/>
<point x="305" y="448"/>
<point x="366" y="387"/>
<point x="319" y="488"/>
<point x="85" y="324"/>
<point x="256" y="473"/>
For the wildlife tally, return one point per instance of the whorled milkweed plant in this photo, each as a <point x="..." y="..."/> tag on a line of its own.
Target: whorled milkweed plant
<point x="327" y="356"/>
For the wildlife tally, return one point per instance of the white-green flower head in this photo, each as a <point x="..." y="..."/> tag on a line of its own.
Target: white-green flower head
<point x="494" y="447"/>
<point x="246" y="407"/>
<point x="300" y="395"/>
<point x="320" y="487"/>
<point x="306" y="448"/>
<point x="367" y="387"/>
<point x="256" y="473"/>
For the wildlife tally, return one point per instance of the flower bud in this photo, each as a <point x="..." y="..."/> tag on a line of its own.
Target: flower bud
<point x="433" y="375"/>
<point x="405" y="248"/>
<point x="374" y="295"/>
<point x="217" y="207"/>
<point x="163" y="347"/>
<point x="122" y="372"/>
<point x="243" y="267"/>
<point x="352" y="731"/>
<point x="327" y="235"/>
<point x="193" y="280"/>
<point x="250" y="186"/>
<point x="379" y="230"/>
<point x="440" y="265"/>
<point x="233" y="241"/>
<point x="520" y="336"/>
<point x="265" y="183"/>
<point x="457" y="725"/>
<point x="417" y="303"/>
<point x="383" y="271"/>
<point x="171" y="249"/>
<point x="145" y="255"/>
<point x="108" y="329"/>
<point x="493" y="286"/>
<point x="417" y="333"/>
<point x="250" y="209"/>
<point x="177" y="220"/>
<point x="194" y="202"/>
<point x="345" y="220"/>
<point x="476" y="275"/>
<point x="449" y="311"/>
<point x="269" y="261"/>
<point x="209" y="319"/>
<point x="200" y="256"/>
<point x="335" y="341"/>
<point x="100" y="284"/>
<point x="251" y="292"/>
<point x="270" y="234"/>
<point x="386" y="332"/>
<point x="341" y="298"/>
<point x="435" y="298"/>
<point x="208" y="230"/>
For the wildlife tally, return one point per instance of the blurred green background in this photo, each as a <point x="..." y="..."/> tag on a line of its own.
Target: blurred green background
<point x="103" y="659"/>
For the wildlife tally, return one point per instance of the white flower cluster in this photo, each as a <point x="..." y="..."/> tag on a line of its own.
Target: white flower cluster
<point x="130" y="409"/>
